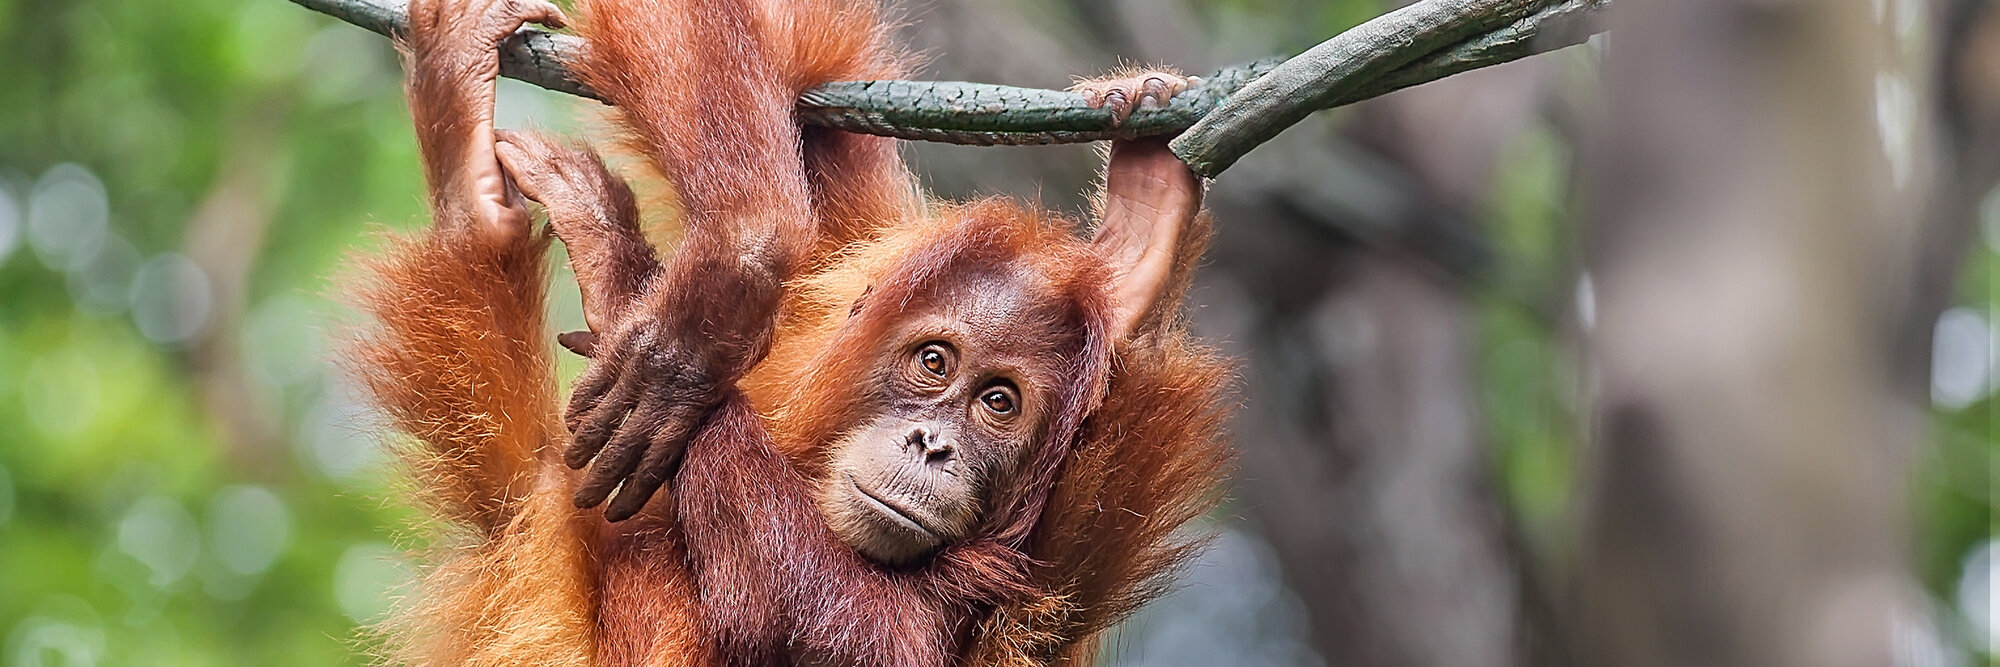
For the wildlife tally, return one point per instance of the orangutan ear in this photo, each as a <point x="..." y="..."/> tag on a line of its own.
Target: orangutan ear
<point x="1150" y="202"/>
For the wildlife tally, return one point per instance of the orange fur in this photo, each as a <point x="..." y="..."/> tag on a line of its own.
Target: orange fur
<point x="459" y="362"/>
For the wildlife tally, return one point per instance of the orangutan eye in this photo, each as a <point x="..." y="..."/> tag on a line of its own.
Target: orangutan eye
<point x="1000" y="400"/>
<point x="935" y="359"/>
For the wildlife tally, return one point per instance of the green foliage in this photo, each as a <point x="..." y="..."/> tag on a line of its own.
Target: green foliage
<point x="1953" y="496"/>
<point x="146" y="516"/>
<point x="1529" y="377"/>
<point x="134" y="529"/>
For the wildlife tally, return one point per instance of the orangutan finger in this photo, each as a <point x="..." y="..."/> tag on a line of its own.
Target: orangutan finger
<point x="663" y="453"/>
<point x="622" y="453"/>
<point x="593" y="425"/>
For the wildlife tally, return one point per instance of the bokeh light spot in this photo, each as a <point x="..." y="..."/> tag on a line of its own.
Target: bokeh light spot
<point x="171" y="300"/>
<point x="248" y="528"/>
<point x="63" y="630"/>
<point x="1962" y="359"/>
<point x="161" y="535"/>
<point x="68" y="216"/>
<point x="368" y="578"/>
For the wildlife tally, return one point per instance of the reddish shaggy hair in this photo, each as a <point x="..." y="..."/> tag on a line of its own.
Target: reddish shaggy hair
<point x="460" y="362"/>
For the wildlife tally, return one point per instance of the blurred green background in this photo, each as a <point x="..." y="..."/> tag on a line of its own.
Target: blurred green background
<point x="184" y="479"/>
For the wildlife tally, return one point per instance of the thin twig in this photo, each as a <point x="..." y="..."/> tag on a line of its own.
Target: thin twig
<point x="1451" y="36"/>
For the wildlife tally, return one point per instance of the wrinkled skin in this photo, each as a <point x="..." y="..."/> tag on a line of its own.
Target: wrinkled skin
<point x="959" y="394"/>
<point x="469" y="189"/>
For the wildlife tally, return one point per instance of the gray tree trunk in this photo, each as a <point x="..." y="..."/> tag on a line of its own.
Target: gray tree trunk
<point x="1748" y="238"/>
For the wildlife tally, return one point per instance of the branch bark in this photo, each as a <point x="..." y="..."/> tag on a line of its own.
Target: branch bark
<point x="1372" y="59"/>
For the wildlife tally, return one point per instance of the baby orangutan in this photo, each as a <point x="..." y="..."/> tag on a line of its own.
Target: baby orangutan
<point x="890" y="431"/>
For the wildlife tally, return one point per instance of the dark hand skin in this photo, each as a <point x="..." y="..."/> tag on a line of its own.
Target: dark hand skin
<point x="455" y="63"/>
<point x="594" y="214"/>
<point x="637" y="405"/>
<point x="633" y="412"/>
<point x="659" y="371"/>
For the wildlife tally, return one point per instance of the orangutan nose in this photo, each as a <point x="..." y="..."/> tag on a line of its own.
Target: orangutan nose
<point x="928" y="440"/>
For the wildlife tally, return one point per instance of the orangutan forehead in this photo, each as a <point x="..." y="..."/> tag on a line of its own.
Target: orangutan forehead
<point x="1010" y="310"/>
<point x="996" y="296"/>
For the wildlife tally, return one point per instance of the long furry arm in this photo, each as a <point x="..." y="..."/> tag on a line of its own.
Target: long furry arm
<point x="459" y="358"/>
<point x="703" y="99"/>
<point x="459" y="361"/>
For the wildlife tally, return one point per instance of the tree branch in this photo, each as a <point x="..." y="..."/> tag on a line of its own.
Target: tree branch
<point x="1423" y="42"/>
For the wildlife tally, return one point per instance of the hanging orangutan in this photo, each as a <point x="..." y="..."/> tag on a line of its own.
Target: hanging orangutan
<point x="836" y="423"/>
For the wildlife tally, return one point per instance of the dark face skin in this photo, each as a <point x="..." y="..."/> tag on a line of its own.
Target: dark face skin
<point x="960" y="391"/>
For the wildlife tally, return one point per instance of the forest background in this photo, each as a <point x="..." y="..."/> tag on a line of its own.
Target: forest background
<point x="185" y="478"/>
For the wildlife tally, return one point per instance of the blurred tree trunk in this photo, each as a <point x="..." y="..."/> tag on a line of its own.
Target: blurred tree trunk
<point x="225" y="237"/>
<point x="1751" y="205"/>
